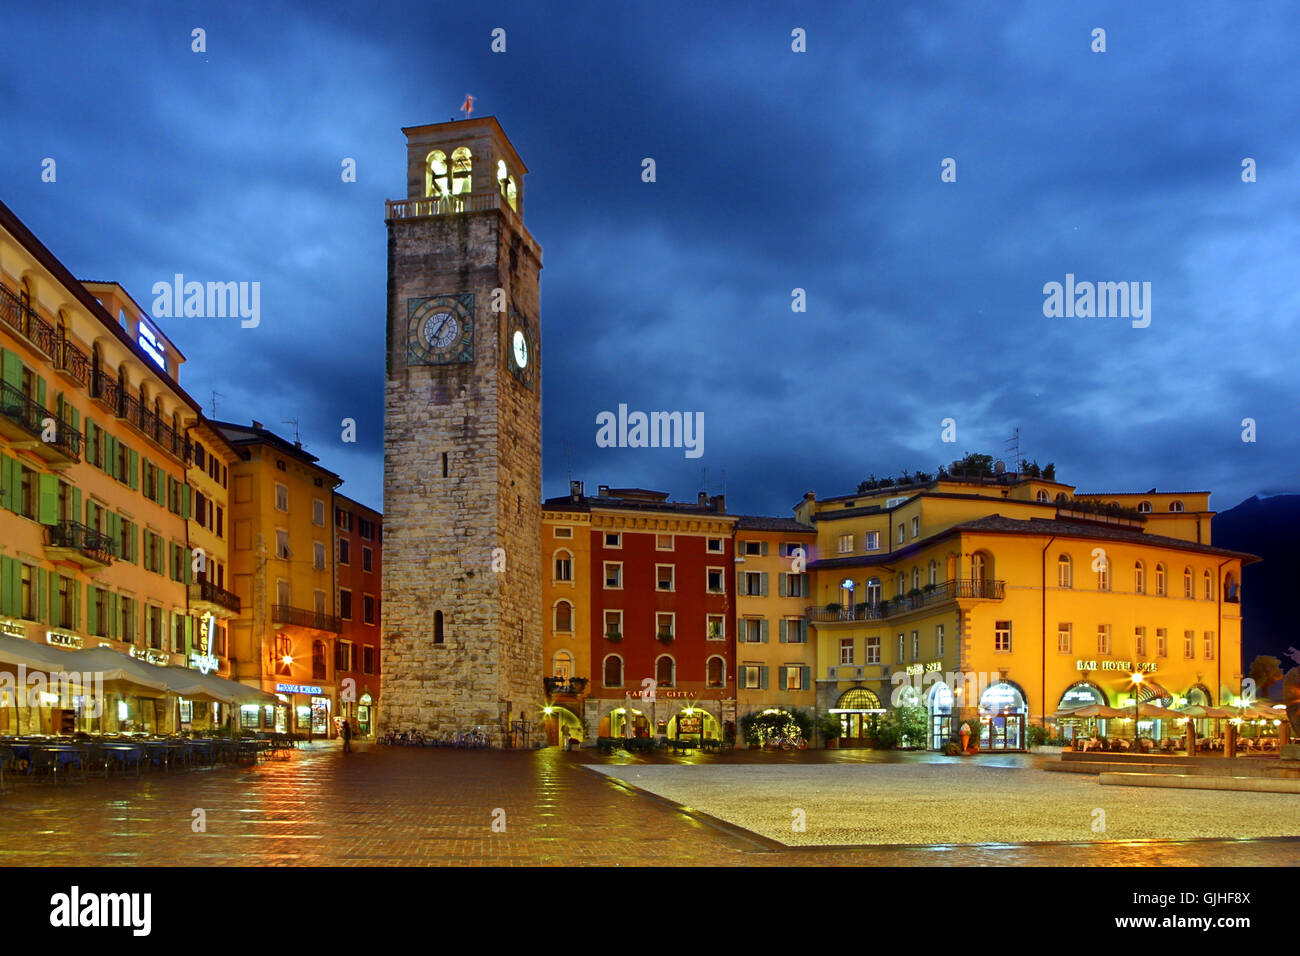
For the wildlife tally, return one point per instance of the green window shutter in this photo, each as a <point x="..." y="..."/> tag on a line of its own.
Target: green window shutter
<point x="88" y="452"/>
<point x="762" y="548"/>
<point x="12" y="367"/>
<point x="762" y="631"/>
<point x="805" y="678"/>
<point x="167" y="493"/>
<point x="783" y="632"/>
<point x="740" y="583"/>
<point x="38" y="597"/>
<point x="76" y="419"/>
<point x="185" y="501"/>
<point x="135" y="468"/>
<point x="51" y="596"/>
<point x="762" y="584"/>
<point x="8" y="496"/>
<point x="762" y="677"/>
<point x="189" y="566"/>
<point x="76" y="503"/>
<point x="92" y="609"/>
<point x="189" y="634"/>
<point x="783" y="586"/>
<point x="110" y="455"/>
<point x="134" y="541"/>
<point x="48" y="512"/>
<point x="8" y="599"/>
<point x="76" y="602"/>
<point x="40" y="391"/>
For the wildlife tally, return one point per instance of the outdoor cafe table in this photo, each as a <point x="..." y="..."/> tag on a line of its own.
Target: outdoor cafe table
<point x="125" y="754"/>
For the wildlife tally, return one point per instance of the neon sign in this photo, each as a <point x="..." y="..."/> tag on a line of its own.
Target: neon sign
<point x="152" y="347"/>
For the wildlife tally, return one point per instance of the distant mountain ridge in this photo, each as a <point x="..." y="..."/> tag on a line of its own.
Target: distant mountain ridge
<point x="1269" y="528"/>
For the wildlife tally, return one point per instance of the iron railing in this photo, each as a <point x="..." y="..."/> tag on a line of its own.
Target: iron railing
<point x="30" y="415"/>
<point x="80" y="537"/>
<point x="301" y="617"/>
<point x="940" y="593"/>
<point x="207" y="591"/>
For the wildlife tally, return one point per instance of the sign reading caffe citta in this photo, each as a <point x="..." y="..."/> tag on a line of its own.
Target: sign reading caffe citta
<point x="1146" y="667"/>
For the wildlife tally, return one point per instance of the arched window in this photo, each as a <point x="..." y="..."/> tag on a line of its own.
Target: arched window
<point x="899" y="584"/>
<point x="874" y="591"/>
<point x="934" y="572"/>
<point x="462" y="167"/>
<point x="96" y="371"/>
<point x="121" y="388"/>
<point x="1144" y="507"/>
<point x="564" y="616"/>
<point x="436" y="181"/>
<point x="1161" y="588"/>
<point x="1103" y="572"/>
<point x="715" y="672"/>
<point x="665" y="671"/>
<point x="1189" y="584"/>
<point x="563" y="566"/>
<point x="1064" y="572"/>
<point x="916" y="578"/>
<point x="1207" y="581"/>
<point x="1139" y="578"/>
<point x="25" y="293"/>
<point x="437" y="627"/>
<point x="1043" y="497"/>
<point x="1061" y="498"/>
<point x="506" y="183"/>
<point x="318" y="660"/>
<point x="562" y="665"/>
<point x="1231" y="592"/>
<point x="613" y="671"/>
<point x="977" y="566"/>
<point x="1175" y="505"/>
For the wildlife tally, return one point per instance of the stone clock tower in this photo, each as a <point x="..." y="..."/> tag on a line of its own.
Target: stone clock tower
<point x="462" y="569"/>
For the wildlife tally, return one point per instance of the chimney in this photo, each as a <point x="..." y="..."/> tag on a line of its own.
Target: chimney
<point x="256" y="423"/>
<point x="719" y="503"/>
<point x="604" y="491"/>
<point x="704" y="498"/>
<point x="575" y="491"/>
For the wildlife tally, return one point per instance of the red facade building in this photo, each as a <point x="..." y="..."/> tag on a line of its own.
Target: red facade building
<point x="358" y="552"/>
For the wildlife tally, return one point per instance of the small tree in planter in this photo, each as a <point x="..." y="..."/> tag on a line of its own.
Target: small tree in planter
<point x="830" y="728"/>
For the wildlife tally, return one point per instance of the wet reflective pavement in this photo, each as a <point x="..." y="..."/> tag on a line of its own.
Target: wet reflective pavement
<point x="405" y="806"/>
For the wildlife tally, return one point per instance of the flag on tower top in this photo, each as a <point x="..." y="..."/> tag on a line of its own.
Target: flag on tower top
<point x="468" y="106"/>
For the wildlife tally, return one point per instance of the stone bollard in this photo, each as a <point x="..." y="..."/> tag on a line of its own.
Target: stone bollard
<point x="1230" y="741"/>
<point x="1191" y="739"/>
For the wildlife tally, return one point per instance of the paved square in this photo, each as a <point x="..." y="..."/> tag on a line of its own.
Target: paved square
<point x="427" y="807"/>
<point x="928" y="803"/>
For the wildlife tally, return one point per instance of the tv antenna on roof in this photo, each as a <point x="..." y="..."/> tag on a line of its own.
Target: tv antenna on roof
<point x="1012" y="445"/>
<point x="297" y="439"/>
<point x="215" y="396"/>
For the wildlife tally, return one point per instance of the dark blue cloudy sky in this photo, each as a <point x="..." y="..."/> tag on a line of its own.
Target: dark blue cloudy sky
<point x="776" y="170"/>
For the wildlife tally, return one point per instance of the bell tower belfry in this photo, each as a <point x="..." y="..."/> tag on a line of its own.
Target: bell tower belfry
<point x="462" y="569"/>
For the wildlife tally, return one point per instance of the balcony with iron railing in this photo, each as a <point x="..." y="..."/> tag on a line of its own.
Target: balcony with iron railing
<point x="301" y="617"/>
<point x="960" y="588"/>
<point x="83" y="545"/>
<point x="22" y="318"/>
<point x="208" y="597"/>
<point x="24" y="421"/>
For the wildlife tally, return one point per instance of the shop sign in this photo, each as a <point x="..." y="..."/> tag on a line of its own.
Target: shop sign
<point x="205" y="663"/>
<point x="929" y="667"/>
<point x="153" y="657"/>
<point x="296" y="689"/>
<point x="13" y="629"/>
<point x="1145" y="667"/>
<point x="1080" y="695"/>
<point x="59" y="639"/>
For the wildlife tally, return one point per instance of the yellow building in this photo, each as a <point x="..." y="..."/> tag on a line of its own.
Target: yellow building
<point x="93" y="451"/>
<point x="774" y="659"/>
<point x="212" y="601"/>
<point x="1012" y="598"/>
<point x="283" y="570"/>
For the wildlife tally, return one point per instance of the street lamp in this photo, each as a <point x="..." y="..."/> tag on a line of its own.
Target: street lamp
<point x="1136" y="678"/>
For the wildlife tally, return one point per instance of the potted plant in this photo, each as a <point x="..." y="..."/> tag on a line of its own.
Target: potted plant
<point x="833" y="608"/>
<point x="613" y="636"/>
<point x="830" y="728"/>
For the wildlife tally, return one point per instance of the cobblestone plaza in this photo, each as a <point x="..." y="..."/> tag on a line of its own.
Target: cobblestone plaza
<point x="418" y="807"/>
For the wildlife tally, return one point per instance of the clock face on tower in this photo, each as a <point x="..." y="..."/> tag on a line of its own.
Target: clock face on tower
<point x="519" y="354"/>
<point x="440" y="329"/>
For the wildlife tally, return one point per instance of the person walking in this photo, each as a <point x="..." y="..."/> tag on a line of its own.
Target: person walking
<point x="346" y="733"/>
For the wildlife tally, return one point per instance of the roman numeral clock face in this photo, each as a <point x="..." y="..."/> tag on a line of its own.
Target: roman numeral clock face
<point x="440" y="329"/>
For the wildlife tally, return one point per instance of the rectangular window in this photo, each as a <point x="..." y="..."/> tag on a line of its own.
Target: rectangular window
<point x="938" y="640"/>
<point x="846" y="544"/>
<point x="318" y="515"/>
<point x="613" y="540"/>
<point x="663" y="542"/>
<point x="872" y="650"/>
<point x="368" y="609"/>
<point x="871" y="541"/>
<point x="366" y="528"/>
<point x="916" y="645"/>
<point x="318" y="555"/>
<point x="714" y="546"/>
<point x="1103" y="638"/>
<point x="1065" y="638"/>
<point x="749" y="676"/>
<point x="282" y="499"/>
<point x="614" y="624"/>
<point x="367" y="559"/>
<point x="564" y="532"/>
<point x="664" y="626"/>
<point x="345" y="551"/>
<point x="716" y="627"/>
<point x="714" y="580"/>
<point x="902" y="646"/>
<point x="916" y="527"/>
<point x="1002" y="636"/>
<point x="1162" y="645"/>
<point x="797" y="585"/>
<point x="1209" y="645"/>
<point x="796" y="631"/>
<point x="751" y="583"/>
<point x="846" y="650"/>
<point x="751" y="631"/>
<point x="126" y="631"/>
<point x="613" y="574"/>
<point x="901" y="529"/>
<point x="753" y="548"/>
<point x="282" y="543"/>
<point x="664" y="577"/>
<point x="1189" y="644"/>
<point x="1140" y="641"/>
<point x="26" y="597"/>
<point x="345" y="605"/>
<point x="793" y="678"/>
<point x="368" y="659"/>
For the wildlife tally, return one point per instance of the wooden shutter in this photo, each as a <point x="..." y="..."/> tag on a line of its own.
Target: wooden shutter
<point x="784" y="639"/>
<point x="762" y="631"/>
<point x="48" y="511"/>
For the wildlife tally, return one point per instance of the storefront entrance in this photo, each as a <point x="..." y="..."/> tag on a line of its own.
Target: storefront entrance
<point x="1003" y="712"/>
<point x="939" y="704"/>
<point x="858" y="709"/>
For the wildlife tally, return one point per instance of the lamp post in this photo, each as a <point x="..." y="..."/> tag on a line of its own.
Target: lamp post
<point x="1136" y="678"/>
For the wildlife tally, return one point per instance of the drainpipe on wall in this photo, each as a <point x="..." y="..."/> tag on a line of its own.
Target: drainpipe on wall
<point x="1218" y="634"/>
<point x="1043" y="621"/>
